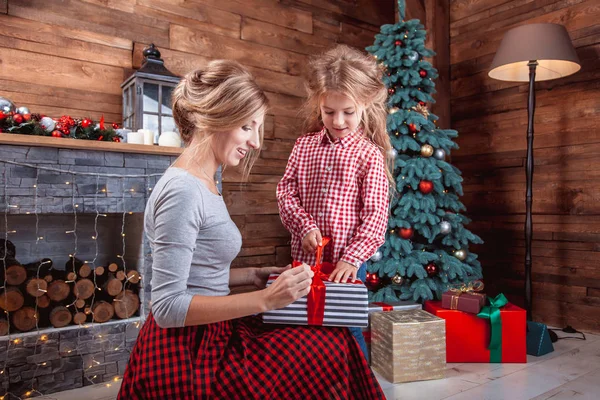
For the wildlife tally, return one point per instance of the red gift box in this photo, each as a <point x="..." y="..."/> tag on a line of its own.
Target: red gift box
<point x="468" y="336"/>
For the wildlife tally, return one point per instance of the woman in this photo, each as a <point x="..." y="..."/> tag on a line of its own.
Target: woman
<point x="199" y="342"/>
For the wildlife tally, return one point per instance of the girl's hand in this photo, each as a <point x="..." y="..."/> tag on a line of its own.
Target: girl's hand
<point x="342" y="272"/>
<point x="311" y="240"/>
<point x="291" y="285"/>
<point x="261" y="275"/>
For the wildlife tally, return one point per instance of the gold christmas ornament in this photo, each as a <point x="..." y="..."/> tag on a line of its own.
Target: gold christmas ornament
<point x="461" y="254"/>
<point x="398" y="279"/>
<point x="421" y="110"/>
<point x="426" y="150"/>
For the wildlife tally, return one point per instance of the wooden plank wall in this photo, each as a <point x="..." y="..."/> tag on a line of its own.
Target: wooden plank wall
<point x="70" y="56"/>
<point x="491" y="118"/>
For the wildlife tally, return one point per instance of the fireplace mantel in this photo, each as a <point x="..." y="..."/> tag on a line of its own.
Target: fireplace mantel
<point x="79" y="144"/>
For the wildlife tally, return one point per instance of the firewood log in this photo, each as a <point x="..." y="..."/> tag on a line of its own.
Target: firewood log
<point x="60" y="316"/>
<point x="11" y="299"/>
<point x="102" y="311"/>
<point x="58" y="290"/>
<point x="126" y="304"/>
<point x="84" y="288"/>
<point x="24" y="319"/>
<point x="77" y="266"/>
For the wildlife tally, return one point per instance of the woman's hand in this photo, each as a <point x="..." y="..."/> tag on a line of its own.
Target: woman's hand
<point x="261" y="275"/>
<point x="311" y="240"/>
<point x="342" y="272"/>
<point x="291" y="285"/>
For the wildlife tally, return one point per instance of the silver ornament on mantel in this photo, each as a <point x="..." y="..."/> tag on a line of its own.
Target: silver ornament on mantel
<point x="445" y="227"/>
<point x="461" y="254"/>
<point x="414" y="56"/>
<point x="23" y="110"/>
<point x="48" y="124"/>
<point x="7" y="107"/>
<point x="439" y="154"/>
<point x="392" y="153"/>
<point x="377" y="256"/>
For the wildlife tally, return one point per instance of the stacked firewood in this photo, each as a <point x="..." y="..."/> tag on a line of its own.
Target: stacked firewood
<point x="40" y="295"/>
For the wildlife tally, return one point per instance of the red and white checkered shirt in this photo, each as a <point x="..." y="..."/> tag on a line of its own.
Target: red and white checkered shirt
<point x="338" y="186"/>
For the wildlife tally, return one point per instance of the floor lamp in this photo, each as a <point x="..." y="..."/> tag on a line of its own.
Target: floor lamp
<point x="529" y="53"/>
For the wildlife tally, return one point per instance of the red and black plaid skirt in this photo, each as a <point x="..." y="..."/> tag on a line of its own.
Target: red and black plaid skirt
<point x="246" y="359"/>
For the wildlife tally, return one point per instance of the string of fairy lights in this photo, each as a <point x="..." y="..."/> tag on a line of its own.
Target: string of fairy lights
<point x="87" y="357"/>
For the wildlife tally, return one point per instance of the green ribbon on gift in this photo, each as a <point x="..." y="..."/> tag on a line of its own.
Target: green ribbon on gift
<point x="492" y="312"/>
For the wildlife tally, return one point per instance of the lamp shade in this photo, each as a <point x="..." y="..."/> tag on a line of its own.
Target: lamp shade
<point x="548" y="44"/>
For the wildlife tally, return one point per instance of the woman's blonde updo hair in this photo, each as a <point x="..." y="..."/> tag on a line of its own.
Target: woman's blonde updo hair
<point x="354" y="74"/>
<point x="217" y="98"/>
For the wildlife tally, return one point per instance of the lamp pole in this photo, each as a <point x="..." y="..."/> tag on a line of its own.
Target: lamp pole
<point x="529" y="193"/>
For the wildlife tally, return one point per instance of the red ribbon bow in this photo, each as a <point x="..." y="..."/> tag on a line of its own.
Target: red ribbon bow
<point x="316" y="297"/>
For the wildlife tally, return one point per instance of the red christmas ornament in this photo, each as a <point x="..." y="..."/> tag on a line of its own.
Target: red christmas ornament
<point x="422" y="73"/>
<point x="391" y="90"/>
<point x="426" y="187"/>
<point x="85" y="123"/>
<point x="115" y="125"/>
<point x="372" y="280"/>
<point x="56" y="133"/>
<point x="27" y="117"/>
<point x="422" y="103"/>
<point x="17" y="118"/>
<point x="406" y="233"/>
<point x="398" y="43"/>
<point x="116" y="139"/>
<point x="2" y="115"/>
<point x="432" y="270"/>
<point x="100" y="138"/>
<point x="412" y="128"/>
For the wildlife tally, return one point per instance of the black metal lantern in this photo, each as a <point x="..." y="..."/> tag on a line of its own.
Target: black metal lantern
<point x="147" y="96"/>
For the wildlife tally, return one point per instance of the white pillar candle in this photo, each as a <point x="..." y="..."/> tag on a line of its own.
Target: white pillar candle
<point x="135" y="137"/>
<point x="148" y="136"/>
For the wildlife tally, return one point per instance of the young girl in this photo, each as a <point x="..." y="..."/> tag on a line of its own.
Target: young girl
<point x="200" y="341"/>
<point x="336" y="181"/>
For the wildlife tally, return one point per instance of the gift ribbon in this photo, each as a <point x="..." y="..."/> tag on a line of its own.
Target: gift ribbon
<point x="470" y="288"/>
<point x="492" y="312"/>
<point x="315" y="302"/>
<point x="384" y="306"/>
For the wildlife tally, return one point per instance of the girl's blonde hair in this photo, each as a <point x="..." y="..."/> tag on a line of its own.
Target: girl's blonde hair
<point x="217" y="98"/>
<point x="354" y="74"/>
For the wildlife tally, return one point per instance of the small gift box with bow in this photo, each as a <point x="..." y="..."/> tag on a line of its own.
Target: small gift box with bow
<point x="496" y="335"/>
<point x="327" y="303"/>
<point x="466" y="297"/>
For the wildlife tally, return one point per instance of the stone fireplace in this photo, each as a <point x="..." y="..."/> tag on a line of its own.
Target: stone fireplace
<point x="86" y="202"/>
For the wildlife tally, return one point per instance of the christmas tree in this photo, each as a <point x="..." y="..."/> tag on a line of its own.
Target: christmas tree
<point x="426" y="247"/>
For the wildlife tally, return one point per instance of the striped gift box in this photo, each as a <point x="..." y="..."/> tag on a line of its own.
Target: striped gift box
<point x="345" y="305"/>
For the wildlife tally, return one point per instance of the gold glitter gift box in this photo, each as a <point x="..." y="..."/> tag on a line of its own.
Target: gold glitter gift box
<point x="408" y="345"/>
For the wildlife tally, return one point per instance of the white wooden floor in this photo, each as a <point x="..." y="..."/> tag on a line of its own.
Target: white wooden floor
<point x="572" y="371"/>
